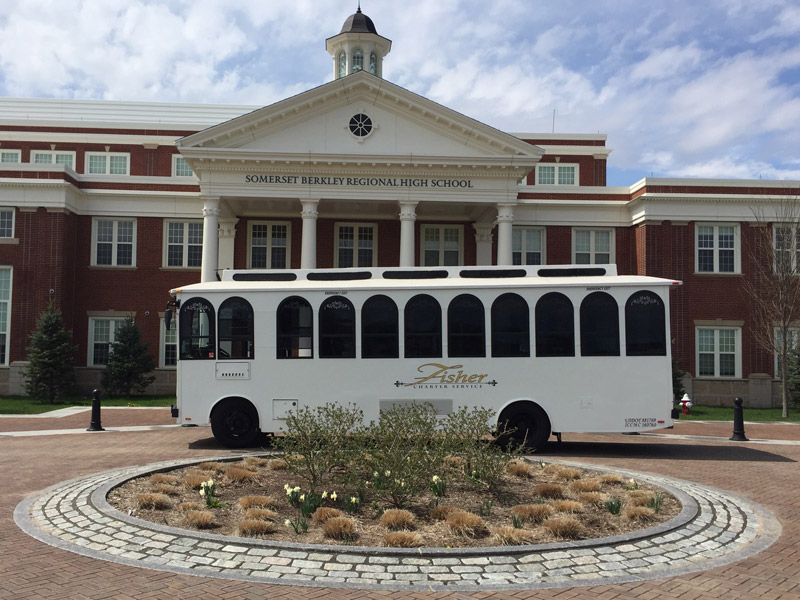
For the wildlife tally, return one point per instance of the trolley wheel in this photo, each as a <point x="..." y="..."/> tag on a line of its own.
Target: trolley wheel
<point x="525" y="426"/>
<point x="234" y="423"/>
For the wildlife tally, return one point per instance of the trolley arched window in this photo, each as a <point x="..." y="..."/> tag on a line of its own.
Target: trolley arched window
<point x="645" y="325"/>
<point x="599" y="316"/>
<point x="555" y="326"/>
<point x="510" y="326"/>
<point x="423" y="327"/>
<point x="196" y="330"/>
<point x="295" y="321"/>
<point x="342" y="64"/>
<point x="337" y="328"/>
<point x="236" y="337"/>
<point x="358" y="60"/>
<point x="466" y="329"/>
<point x="379" y="328"/>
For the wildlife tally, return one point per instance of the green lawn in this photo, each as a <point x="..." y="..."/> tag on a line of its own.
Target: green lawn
<point x="718" y="413"/>
<point x="21" y="405"/>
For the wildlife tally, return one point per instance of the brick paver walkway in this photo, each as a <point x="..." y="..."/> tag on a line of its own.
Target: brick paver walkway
<point x="766" y="474"/>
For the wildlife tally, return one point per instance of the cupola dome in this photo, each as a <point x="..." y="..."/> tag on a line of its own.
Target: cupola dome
<point x="358" y="47"/>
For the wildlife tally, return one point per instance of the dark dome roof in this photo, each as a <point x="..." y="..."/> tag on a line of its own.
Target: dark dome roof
<point x="358" y="23"/>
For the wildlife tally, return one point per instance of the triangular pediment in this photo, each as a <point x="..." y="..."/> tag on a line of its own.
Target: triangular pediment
<point x="316" y="124"/>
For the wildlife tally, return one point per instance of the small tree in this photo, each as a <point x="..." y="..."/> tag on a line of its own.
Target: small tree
<point x="129" y="362"/>
<point x="51" y="358"/>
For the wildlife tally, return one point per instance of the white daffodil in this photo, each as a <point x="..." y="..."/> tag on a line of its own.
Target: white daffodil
<point x="333" y="496"/>
<point x="324" y="495"/>
<point x="435" y="479"/>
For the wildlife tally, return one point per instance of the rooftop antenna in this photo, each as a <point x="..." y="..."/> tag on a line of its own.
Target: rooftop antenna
<point x="359" y="6"/>
<point x="554" y="116"/>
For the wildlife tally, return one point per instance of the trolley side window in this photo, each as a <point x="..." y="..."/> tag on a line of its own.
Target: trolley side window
<point x="337" y="328"/>
<point x="599" y="318"/>
<point x="555" y="326"/>
<point x="379" y="328"/>
<point x="645" y="325"/>
<point x="510" y="326"/>
<point x="236" y="335"/>
<point x="423" y="327"/>
<point x="196" y="330"/>
<point x="466" y="327"/>
<point x="295" y="321"/>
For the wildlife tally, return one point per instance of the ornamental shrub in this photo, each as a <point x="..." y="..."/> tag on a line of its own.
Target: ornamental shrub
<point x="129" y="362"/>
<point x="51" y="358"/>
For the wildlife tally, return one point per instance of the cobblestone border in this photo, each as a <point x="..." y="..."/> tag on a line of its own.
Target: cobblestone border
<point x="714" y="528"/>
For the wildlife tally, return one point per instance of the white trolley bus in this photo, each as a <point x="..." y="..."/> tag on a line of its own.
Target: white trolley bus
<point x="548" y="348"/>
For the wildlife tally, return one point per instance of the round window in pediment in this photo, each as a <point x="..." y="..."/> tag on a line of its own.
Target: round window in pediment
<point x="360" y="125"/>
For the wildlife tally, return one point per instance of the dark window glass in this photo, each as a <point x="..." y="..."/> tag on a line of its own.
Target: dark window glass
<point x="423" y="327"/>
<point x="295" y="322"/>
<point x="379" y="329"/>
<point x="236" y="337"/>
<point x="510" y="326"/>
<point x="466" y="330"/>
<point x="555" y="326"/>
<point x="645" y="325"/>
<point x="599" y="325"/>
<point x="196" y="330"/>
<point x="337" y="328"/>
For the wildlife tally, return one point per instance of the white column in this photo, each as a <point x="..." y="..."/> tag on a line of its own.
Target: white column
<point x="208" y="266"/>
<point x="505" y="217"/>
<point x="227" y="236"/>
<point x="407" y="219"/>
<point x="308" y="251"/>
<point x="483" y="244"/>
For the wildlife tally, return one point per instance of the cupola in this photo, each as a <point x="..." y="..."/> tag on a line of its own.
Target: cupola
<point x="358" y="47"/>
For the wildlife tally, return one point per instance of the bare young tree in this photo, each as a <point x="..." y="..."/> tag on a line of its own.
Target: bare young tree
<point x="773" y="289"/>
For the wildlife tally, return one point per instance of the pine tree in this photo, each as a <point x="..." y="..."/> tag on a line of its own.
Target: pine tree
<point x="129" y="362"/>
<point x="51" y="358"/>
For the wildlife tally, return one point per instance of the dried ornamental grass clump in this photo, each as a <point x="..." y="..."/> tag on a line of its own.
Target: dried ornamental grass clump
<point x="278" y="464"/>
<point x="511" y="536"/>
<point x="166" y="489"/>
<point x="217" y="467"/>
<point x="255" y="461"/>
<point x="519" y="468"/>
<point x="402" y="539"/>
<point x="551" y="469"/>
<point x="323" y="513"/>
<point x="564" y="527"/>
<point x="640" y="499"/>
<point x="254" y="527"/>
<point x="339" y="528"/>
<point x="396" y="519"/>
<point x="187" y="506"/>
<point x="612" y="479"/>
<point x="465" y="523"/>
<point x="163" y="478"/>
<point x="549" y="490"/>
<point x="194" y="479"/>
<point x="592" y="498"/>
<point x="260" y="514"/>
<point x="256" y="502"/>
<point x="239" y="475"/>
<point x="153" y="501"/>
<point x="440" y="511"/>
<point x="534" y="513"/>
<point x="639" y="513"/>
<point x="567" y="506"/>
<point x="569" y="473"/>
<point x="199" y="519"/>
<point x="586" y="485"/>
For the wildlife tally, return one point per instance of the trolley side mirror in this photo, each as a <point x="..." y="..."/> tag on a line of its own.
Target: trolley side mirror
<point x="168" y="319"/>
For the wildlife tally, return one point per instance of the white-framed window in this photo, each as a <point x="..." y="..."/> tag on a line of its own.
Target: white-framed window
<point x="793" y="336"/>
<point x="786" y="240"/>
<point x="717" y="248"/>
<point x="107" y="163"/>
<point x="442" y="245"/>
<point x="718" y="351"/>
<point x="556" y="174"/>
<point x="180" y="168"/>
<point x="269" y="244"/>
<point x="527" y="246"/>
<point x="168" y="345"/>
<point x="7" y="223"/>
<point x="102" y="333"/>
<point x="10" y="156"/>
<point x="593" y="246"/>
<point x="356" y="245"/>
<point x="358" y="60"/>
<point x="183" y="244"/>
<point x="113" y="242"/>
<point x="5" y="312"/>
<point x="52" y="157"/>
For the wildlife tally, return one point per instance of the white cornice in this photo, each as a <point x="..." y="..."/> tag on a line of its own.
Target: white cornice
<point x="582" y="137"/>
<point x="596" y="151"/>
<point x="84" y="138"/>
<point x="738" y="183"/>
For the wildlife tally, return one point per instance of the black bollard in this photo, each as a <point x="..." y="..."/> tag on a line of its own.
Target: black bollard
<point x="95" y="424"/>
<point x="738" y="422"/>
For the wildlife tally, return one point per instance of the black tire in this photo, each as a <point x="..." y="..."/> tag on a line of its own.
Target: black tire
<point x="234" y="423"/>
<point x="524" y="426"/>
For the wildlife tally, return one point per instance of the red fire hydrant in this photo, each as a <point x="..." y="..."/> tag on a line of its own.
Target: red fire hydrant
<point x="686" y="404"/>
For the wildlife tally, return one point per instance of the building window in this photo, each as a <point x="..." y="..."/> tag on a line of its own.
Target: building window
<point x="337" y="328"/>
<point x="555" y="326"/>
<point x="10" y="156"/>
<point x="6" y="222"/>
<point x="466" y="331"/>
<point x="295" y="327"/>
<point x="114" y="242"/>
<point x="342" y="64"/>
<point x="717" y="249"/>
<point x="527" y="246"/>
<point x="556" y="174"/>
<point x="423" y="327"/>
<point x="510" y="326"/>
<point x="593" y="246"/>
<point x="441" y="245"/>
<point x="269" y="245"/>
<point x="107" y="163"/>
<point x="355" y="245"/>
<point x="718" y="352"/>
<point x="599" y="319"/>
<point x="168" y="356"/>
<point x="236" y="329"/>
<point x="47" y="157"/>
<point x="183" y="246"/>
<point x="5" y="312"/>
<point x="787" y="248"/>
<point x="197" y="330"/>
<point x="379" y="328"/>
<point x="358" y="60"/>
<point x="793" y="341"/>
<point x="102" y="334"/>
<point x="373" y="63"/>
<point x="180" y="168"/>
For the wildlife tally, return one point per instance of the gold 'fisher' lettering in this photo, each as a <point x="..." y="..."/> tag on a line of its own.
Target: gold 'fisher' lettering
<point x="445" y="374"/>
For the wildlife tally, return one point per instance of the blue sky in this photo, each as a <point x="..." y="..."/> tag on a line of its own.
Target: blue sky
<point x="683" y="88"/>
